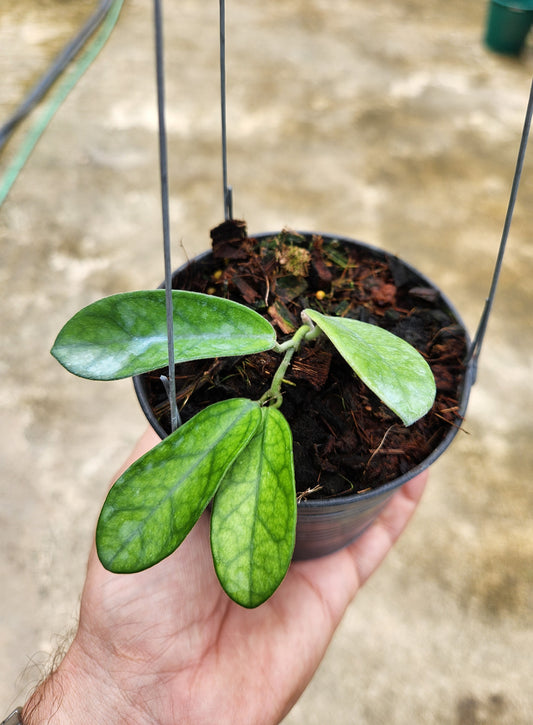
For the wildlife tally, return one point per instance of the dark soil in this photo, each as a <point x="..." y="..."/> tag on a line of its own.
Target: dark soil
<point x="345" y="439"/>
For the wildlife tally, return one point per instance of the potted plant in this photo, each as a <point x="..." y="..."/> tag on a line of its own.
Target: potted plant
<point x="340" y="308"/>
<point x="314" y="314"/>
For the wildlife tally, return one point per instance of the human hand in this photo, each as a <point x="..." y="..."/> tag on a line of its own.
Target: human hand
<point x="167" y="645"/>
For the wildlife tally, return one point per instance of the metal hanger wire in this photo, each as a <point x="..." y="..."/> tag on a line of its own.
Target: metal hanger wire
<point x="227" y="190"/>
<point x="170" y="384"/>
<point x="475" y="348"/>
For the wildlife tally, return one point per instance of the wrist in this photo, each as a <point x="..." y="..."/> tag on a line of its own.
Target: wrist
<point x="80" y="692"/>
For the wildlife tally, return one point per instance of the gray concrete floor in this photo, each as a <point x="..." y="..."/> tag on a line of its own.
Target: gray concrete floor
<point x="388" y="122"/>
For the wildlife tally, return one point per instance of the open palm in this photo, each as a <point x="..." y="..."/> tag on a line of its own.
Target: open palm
<point x="175" y="649"/>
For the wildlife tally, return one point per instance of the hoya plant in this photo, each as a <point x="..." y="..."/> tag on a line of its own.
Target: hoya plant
<point x="235" y="454"/>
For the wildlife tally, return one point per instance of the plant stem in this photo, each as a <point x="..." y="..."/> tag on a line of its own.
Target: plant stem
<point x="273" y="394"/>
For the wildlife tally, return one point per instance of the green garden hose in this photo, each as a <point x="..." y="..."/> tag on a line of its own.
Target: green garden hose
<point x="59" y="95"/>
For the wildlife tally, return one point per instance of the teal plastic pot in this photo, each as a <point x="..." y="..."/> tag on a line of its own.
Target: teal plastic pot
<point x="326" y="525"/>
<point x="508" y="25"/>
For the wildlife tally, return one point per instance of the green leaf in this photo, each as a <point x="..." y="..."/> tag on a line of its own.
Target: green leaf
<point x="253" y="521"/>
<point x="153" y="505"/>
<point x="391" y="368"/>
<point x="126" y="334"/>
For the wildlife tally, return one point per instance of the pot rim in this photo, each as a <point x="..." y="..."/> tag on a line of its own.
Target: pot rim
<point x="468" y="381"/>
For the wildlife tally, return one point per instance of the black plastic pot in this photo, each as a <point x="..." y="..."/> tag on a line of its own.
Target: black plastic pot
<point x="324" y="526"/>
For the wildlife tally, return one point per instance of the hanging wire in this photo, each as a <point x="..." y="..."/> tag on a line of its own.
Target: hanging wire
<point x="475" y="348"/>
<point x="227" y="190"/>
<point x="163" y="169"/>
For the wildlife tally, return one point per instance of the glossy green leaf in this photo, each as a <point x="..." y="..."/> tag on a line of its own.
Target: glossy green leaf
<point x="153" y="505"/>
<point x="253" y="521"/>
<point x="126" y="334"/>
<point x="391" y="368"/>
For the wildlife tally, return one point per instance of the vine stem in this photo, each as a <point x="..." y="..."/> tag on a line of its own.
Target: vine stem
<point x="273" y="394"/>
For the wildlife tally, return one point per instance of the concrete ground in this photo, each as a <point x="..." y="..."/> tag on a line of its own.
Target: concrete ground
<point x="386" y="121"/>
